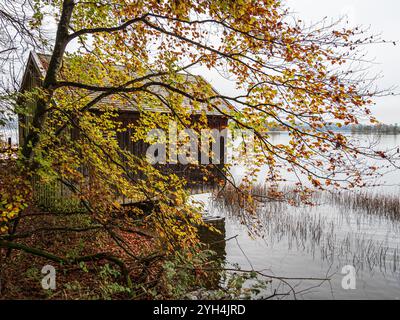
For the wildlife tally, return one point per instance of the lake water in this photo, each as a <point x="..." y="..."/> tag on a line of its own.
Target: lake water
<point x="317" y="242"/>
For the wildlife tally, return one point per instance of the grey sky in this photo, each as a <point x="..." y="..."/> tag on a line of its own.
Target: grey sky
<point x="382" y="17"/>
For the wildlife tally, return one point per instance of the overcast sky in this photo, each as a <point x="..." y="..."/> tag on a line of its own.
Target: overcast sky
<point x="382" y="17"/>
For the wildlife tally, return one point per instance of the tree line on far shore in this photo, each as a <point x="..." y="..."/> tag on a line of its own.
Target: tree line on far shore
<point x="357" y="128"/>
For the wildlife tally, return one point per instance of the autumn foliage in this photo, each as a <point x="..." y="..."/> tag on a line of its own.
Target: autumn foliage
<point x="138" y="54"/>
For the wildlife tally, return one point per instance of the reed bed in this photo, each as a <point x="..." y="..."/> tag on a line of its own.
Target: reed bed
<point x="323" y="229"/>
<point x="379" y="204"/>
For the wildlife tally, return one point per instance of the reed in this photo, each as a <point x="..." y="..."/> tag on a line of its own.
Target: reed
<point x="324" y="229"/>
<point x="379" y="204"/>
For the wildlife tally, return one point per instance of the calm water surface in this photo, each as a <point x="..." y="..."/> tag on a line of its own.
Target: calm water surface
<point x="318" y="242"/>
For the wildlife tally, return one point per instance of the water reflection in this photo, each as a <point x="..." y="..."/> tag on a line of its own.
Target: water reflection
<point x="313" y="241"/>
<point x="317" y="241"/>
<point x="215" y="241"/>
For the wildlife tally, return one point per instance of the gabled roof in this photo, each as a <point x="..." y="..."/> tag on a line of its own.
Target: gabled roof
<point x="36" y="63"/>
<point x="41" y="62"/>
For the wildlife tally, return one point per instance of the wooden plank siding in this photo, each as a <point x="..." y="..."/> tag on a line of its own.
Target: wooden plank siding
<point x="31" y="81"/>
<point x="193" y="174"/>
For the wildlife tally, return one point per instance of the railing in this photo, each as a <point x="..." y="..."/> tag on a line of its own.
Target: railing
<point x="55" y="196"/>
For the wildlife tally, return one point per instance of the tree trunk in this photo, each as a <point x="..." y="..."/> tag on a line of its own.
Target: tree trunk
<point x="40" y="112"/>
